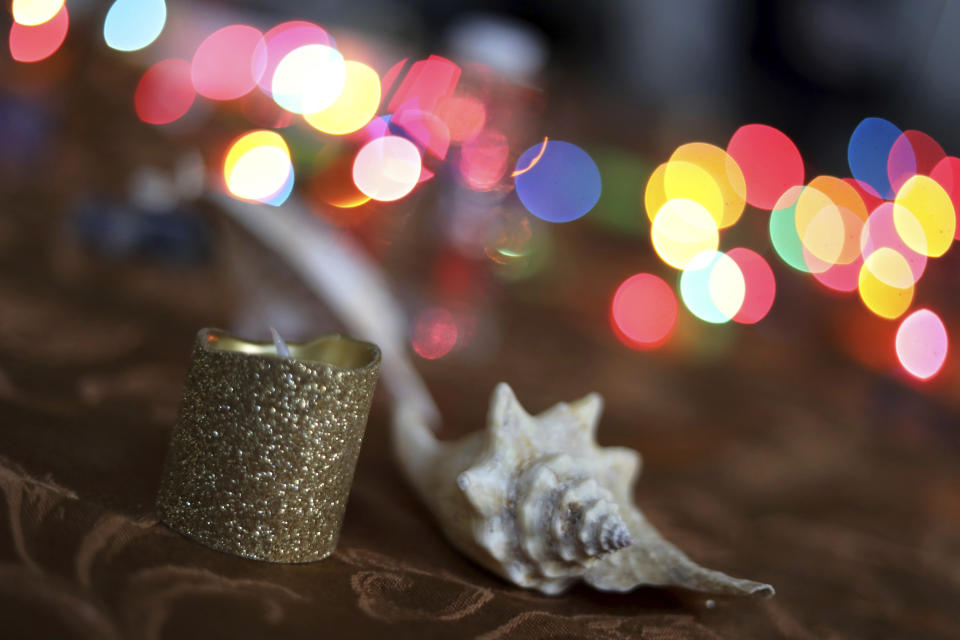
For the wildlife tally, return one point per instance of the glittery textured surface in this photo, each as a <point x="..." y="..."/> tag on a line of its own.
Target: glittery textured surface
<point x="262" y="457"/>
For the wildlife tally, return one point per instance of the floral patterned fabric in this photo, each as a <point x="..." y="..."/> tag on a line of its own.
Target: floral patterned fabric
<point x="838" y="487"/>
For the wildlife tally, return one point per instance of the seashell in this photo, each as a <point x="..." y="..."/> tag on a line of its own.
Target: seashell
<point x="537" y="501"/>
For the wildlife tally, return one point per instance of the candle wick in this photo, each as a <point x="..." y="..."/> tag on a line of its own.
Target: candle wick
<point x="281" y="346"/>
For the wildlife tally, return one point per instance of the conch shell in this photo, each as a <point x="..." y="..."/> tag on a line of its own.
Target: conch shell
<point x="534" y="499"/>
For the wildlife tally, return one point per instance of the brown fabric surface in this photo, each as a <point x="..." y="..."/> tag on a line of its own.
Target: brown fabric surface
<point x="769" y="457"/>
<point x="837" y="486"/>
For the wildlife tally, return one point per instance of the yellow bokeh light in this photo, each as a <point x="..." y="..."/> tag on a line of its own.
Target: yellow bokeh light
<point x="829" y="217"/>
<point x="924" y="216"/>
<point x="356" y="106"/>
<point x="842" y="193"/>
<point x="819" y="226"/>
<point x="257" y="166"/>
<point x="351" y="203"/>
<point x="681" y="230"/>
<point x="654" y="196"/>
<point x="906" y="225"/>
<point x="725" y="172"/>
<point x="30" y="13"/>
<point x="683" y="180"/>
<point x="890" y="267"/>
<point x="886" y="283"/>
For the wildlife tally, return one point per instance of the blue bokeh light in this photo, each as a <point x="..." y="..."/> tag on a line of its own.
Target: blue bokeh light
<point x="131" y="25"/>
<point x="562" y="185"/>
<point x="867" y="155"/>
<point x="278" y="198"/>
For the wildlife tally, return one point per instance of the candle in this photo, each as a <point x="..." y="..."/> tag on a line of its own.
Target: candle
<point x="262" y="456"/>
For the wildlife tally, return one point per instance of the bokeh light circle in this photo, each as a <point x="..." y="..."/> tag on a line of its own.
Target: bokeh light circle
<point x="557" y="181"/>
<point x="424" y="84"/>
<point x="924" y="216"/>
<point x="376" y="128"/>
<point x="871" y="201"/>
<point x="880" y="231"/>
<point x="683" y="179"/>
<point x="914" y="152"/>
<point x="644" y="311"/>
<point x="424" y="129"/>
<point x="713" y="287"/>
<point x="886" y="283"/>
<point x="464" y="116"/>
<point x="281" y="40"/>
<point x="724" y="171"/>
<point x="922" y="343"/>
<point x="36" y="43"/>
<point x="820" y="227"/>
<point x="131" y="25"/>
<point x="355" y="106"/>
<point x="434" y="333"/>
<point x="387" y="168"/>
<point x="165" y="92"/>
<point x="868" y="153"/>
<point x="760" y="285"/>
<point x="681" y="230"/>
<point x="836" y="277"/>
<point x="483" y="160"/>
<point x="783" y="230"/>
<point x="31" y="13"/>
<point x="901" y="162"/>
<point x="679" y="179"/>
<point x="947" y="174"/>
<point x="829" y="216"/>
<point x="258" y="167"/>
<point x="769" y="160"/>
<point x="309" y="79"/>
<point x="222" y="67"/>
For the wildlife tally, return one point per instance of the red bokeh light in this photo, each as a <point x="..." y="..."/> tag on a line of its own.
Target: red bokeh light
<point x="644" y="311"/>
<point x="165" y="92"/>
<point x="770" y="161"/>
<point x="32" y="44"/>
<point x="464" y="116"/>
<point x="423" y="128"/>
<point x="947" y="174"/>
<point x="913" y="153"/>
<point x="425" y="84"/>
<point x="223" y="66"/>
<point x="761" y="287"/>
<point x="483" y="160"/>
<point x="434" y="333"/>
<point x="838" y="277"/>
<point x="870" y="200"/>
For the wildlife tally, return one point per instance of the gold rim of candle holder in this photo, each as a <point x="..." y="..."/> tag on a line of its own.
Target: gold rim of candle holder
<point x="262" y="456"/>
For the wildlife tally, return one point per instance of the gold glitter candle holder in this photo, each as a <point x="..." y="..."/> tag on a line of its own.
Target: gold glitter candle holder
<point x="263" y="453"/>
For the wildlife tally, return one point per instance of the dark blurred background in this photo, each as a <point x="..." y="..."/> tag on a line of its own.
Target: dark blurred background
<point x="814" y="69"/>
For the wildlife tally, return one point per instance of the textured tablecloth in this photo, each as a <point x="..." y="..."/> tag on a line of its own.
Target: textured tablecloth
<point x="775" y="462"/>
